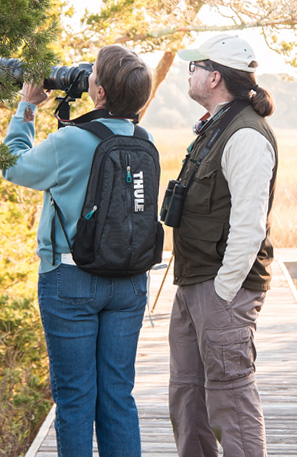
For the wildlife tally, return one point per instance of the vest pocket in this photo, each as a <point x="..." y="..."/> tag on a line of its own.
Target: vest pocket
<point x="200" y="239"/>
<point x="199" y="196"/>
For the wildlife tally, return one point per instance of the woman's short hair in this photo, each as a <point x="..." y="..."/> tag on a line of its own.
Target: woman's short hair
<point x="242" y="84"/>
<point x="126" y="79"/>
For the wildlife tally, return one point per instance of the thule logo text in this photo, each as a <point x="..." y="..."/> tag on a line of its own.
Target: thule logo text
<point x="138" y="191"/>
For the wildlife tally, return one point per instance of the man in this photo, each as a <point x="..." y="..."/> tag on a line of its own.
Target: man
<point x="222" y="257"/>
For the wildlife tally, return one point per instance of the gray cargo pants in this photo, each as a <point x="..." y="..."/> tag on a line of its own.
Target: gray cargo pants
<point x="212" y="392"/>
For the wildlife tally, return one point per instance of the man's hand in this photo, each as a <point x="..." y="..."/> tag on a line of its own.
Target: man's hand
<point x="33" y="94"/>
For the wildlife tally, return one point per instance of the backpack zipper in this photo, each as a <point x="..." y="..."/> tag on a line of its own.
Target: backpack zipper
<point x="128" y="175"/>
<point x="90" y="214"/>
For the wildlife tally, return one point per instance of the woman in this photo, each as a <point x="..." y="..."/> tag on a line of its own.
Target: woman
<point x="91" y="323"/>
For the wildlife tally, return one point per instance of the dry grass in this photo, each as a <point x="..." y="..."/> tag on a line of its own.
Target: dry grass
<point x="284" y="232"/>
<point x="172" y="144"/>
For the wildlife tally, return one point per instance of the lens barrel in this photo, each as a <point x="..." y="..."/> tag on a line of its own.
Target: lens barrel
<point x="12" y="67"/>
<point x="61" y="78"/>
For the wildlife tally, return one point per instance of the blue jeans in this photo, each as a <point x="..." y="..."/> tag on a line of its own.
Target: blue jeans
<point x="92" y="326"/>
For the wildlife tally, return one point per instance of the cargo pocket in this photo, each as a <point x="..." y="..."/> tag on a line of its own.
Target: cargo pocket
<point x="230" y="353"/>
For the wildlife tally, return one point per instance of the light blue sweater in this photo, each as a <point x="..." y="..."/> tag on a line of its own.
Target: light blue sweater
<point x="61" y="163"/>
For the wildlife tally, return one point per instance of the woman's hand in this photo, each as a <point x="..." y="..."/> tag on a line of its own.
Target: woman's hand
<point x="33" y="94"/>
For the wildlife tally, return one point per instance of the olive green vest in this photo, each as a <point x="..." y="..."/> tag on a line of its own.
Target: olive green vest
<point x="200" y="240"/>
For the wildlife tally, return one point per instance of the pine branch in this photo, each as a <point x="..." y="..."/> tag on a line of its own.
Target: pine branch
<point x="7" y="159"/>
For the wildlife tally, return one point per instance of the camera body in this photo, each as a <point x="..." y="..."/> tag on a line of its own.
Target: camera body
<point x="75" y="78"/>
<point x="172" y="205"/>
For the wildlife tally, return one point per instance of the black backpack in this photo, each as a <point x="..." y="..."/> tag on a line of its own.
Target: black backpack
<point x="118" y="233"/>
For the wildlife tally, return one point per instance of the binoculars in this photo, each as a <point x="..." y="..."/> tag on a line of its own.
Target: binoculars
<point x="172" y="206"/>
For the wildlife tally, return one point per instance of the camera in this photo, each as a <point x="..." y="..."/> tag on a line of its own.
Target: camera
<point x="73" y="80"/>
<point x="173" y="202"/>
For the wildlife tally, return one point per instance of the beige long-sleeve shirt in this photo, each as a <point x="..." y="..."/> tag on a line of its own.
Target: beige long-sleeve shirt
<point x="247" y="163"/>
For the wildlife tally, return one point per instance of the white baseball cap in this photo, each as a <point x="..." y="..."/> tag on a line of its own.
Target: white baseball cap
<point x="225" y="49"/>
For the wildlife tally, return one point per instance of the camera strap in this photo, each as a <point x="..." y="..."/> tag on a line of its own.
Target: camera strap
<point x="95" y="114"/>
<point x="229" y="112"/>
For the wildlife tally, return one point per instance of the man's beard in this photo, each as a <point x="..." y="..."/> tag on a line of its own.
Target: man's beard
<point x="199" y="93"/>
<point x="199" y="96"/>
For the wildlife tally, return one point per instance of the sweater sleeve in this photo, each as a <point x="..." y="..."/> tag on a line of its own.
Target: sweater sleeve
<point x="36" y="167"/>
<point x="247" y="164"/>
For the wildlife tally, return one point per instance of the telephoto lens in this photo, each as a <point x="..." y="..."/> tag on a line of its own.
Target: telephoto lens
<point x="12" y="67"/>
<point x="62" y="78"/>
<point x="73" y="80"/>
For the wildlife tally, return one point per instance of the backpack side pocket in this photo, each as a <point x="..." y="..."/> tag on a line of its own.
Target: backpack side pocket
<point x="83" y="247"/>
<point x="159" y="243"/>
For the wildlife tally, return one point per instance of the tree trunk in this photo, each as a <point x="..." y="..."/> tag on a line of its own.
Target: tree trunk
<point x="167" y="59"/>
<point x="160" y="74"/>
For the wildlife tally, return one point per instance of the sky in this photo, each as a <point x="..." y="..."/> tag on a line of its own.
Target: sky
<point x="268" y="60"/>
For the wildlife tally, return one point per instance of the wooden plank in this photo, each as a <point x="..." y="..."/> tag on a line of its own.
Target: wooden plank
<point x="276" y="371"/>
<point x="42" y="434"/>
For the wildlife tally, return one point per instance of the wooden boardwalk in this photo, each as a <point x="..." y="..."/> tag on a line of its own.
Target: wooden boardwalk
<point x="276" y="342"/>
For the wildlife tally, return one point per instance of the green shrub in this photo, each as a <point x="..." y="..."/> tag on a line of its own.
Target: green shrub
<point x="24" y="386"/>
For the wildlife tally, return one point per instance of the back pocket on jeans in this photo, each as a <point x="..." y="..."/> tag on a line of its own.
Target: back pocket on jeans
<point x="75" y="285"/>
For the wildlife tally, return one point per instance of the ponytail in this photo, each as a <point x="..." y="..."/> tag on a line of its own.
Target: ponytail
<point x="242" y="85"/>
<point x="261" y="101"/>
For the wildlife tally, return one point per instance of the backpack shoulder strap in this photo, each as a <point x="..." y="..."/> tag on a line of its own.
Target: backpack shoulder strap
<point x="53" y="231"/>
<point x="103" y="132"/>
<point x="140" y="132"/>
<point x="97" y="128"/>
